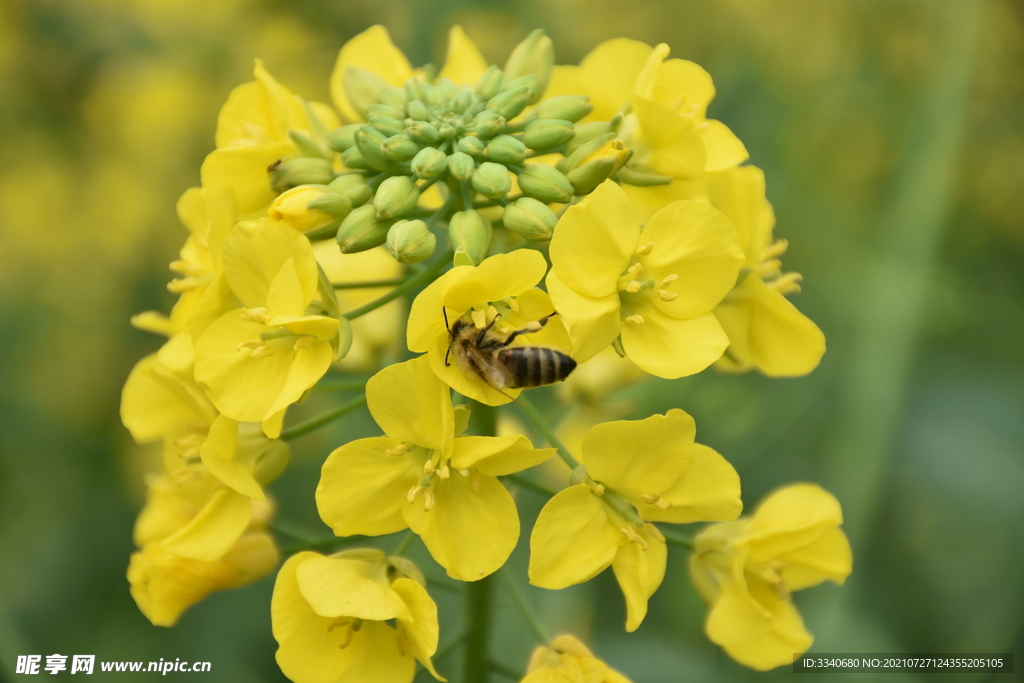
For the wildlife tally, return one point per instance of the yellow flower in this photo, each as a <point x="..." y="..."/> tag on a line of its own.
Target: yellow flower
<point x="501" y="285"/>
<point x="567" y="660"/>
<point x="292" y="209"/>
<point x="252" y="134"/>
<point x="745" y="570"/>
<point x="330" y="614"/>
<point x="266" y="330"/>
<point x="372" y="51"/>
<point x="638" y="472"/>
<point x="195" y="537"/>
<point x="421" y="476"/>
<point x="766" y="331"/>
<point x="656" y="287"/>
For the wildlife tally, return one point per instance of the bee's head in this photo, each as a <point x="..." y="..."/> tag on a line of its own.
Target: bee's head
<point x="453" y="328"/>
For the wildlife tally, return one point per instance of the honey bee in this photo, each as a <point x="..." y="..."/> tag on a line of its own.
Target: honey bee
<point x="485" y="354"/>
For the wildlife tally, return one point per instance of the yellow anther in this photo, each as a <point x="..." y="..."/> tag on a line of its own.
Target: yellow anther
<point x="533" y="326"/>
<point x="347" y="638"/>
<point x="400" y="642"/>
<point x="598" y="489"/>
<point x="634" y="287"/>
<point x="513" y="305"/>
<point x="479" y="319"/>
<point x="636" y="270"/>
<point x="477" y="486"/>
<point x="768" y="267"/>
<point x="787" y="284"/>
<point x="492" y="313"/>
<point x="657" y="501"/>
<point x="428" y="501"/>
<point x="428" y="467"/>
<point x="669" y="279"/>
<point x="185" y="475"/>
<point x="252" y="344"/>
<point x="182" y="285"/>
<point x="464" y="473"/>
<point x="634" y="537"/>
<point x="635" y="319"/>
<point x="656" y="532"/>
<point x="400" y="449"/>
<point x="257" y="315"/>
<point x="340" y="621"/>
<point x="703" y="126"/>
<point x="444" y="473"/>
<point x="667" y="296"/>
<point x="260" y="351"/>
<point x="305" y="343"/>
<point x="775" y="249"/>
<point x="645" y="249"/>
<point x="413" y="492"/>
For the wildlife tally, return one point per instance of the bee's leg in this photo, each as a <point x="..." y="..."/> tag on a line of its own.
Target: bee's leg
<point x="446" y="354"/>
<point x="483" y="332"/>
<point x="535" y="326"/>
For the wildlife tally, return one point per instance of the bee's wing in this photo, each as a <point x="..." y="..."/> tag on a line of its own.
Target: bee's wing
<point x="491" y="369"/>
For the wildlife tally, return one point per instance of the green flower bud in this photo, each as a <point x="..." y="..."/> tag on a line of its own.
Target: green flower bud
<point x="594" y="162"/>
<point x="446" y="131"/>
<point x="399" y="148"/>
<point x="461" y="102"/>
<point x="506" y="149"/>
<point x="385" y="111"/>
<point x="488" y="124"/>
<point x="449" y="90"/>
<point x="630" y="176"/>
<point x="545" y="183"/>
<point x="395" y="196"/>
<point x="530" y="219"/>
<point x="471" y="146"/>
<point x="422" y="132"/>
<point x="529" y="80"/>
<point x="352" y="158"/>
<point x="492" y="180"/>
<point x="585" y="132"/>
<point x="337" y="205"/>
<point x="535" y="55"/>
<point x="460" y="166"/>
<point x="471" y="231"/>
<point x="368" y="140"/>
<point x="413" y="90"/>
<point x="430" y="94"/>
<point x="392" y="97"/>
<point x="307" y="146"/>
<point x="362" y="230"/>
<point x="490" y="83"/>
<point x="362" y="88"/>
<point x="301" y="171"/>
<point x="429" y="163"/>
<point x="411" y="241"/>
<point x="511" y="103"/>
<point x="271" y="462"/>
<point x="545" y="134"/>
<point x="417" y="110"/>
<point x="344" y="339"/>
<point x="565" y="107"/>
<point x="341" y="139"/>
<point x="387" y="125"/>
<point x="353" y="186"/>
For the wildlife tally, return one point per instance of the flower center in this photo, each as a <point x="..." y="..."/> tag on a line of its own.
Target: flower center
<point x="635" y="289"/>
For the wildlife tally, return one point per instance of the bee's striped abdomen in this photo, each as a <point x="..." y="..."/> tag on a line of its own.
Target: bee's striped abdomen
<point x="534" y="366"/>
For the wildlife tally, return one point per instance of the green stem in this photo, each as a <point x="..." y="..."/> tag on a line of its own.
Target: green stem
<point x="449" y="647"/>
<point x="541" y="425"/>
<point x="524" y="606"/>
<point x="411" y="283"/>
<point x="286" y="528"/>
<point x="479" y="602"/>
<point x="677" y="538"/>
<point x="442" y="210"/>
<point x="530" y="485"/>
<point x="340" y="385"/>
<point x="504" y="671"/>
<point x="467" y="195"/>
<point x="320" y="420"/>
<point x="368" y="283"/>
<point x="404" y="544"/>
<point x="323" y="543"/>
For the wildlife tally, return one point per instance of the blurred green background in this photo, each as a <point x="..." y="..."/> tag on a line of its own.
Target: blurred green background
<point x="892" y="136"/>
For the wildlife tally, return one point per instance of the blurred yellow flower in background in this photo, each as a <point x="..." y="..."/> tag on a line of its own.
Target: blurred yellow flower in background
<point x="567" y="660"/>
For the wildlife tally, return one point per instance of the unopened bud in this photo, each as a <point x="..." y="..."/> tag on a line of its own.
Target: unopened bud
<point x="429" y="163"/>
<point x="395" y="196"/>
<point x="368" y="141"/>
<point x="411" y="241"/>
<point x="535" y="55"/>
<point x="530" y="219"/>
<point x="271" y="462"/>
<point x="385" y="111"/>
<point x="353" y="159"/>
<point x="422" y="132"/>
<point x="293" y="208"/>
<point x="471" y="146"/>
<point x="470" y="232"/>
<point x="511" y="103"/>
<point x="488" y="124"/>
<point x="393" y="97"/>
<point x="353" y="186"/>
<point x="529" y="81"/>
<point x="630" y="176"/>
<point x="545" y="183"/>
<point x="585" y="132"/>
<point x="344" y="339"/>
<point x="337" y="205"/>
<point x="418" y="111"/>
<point x="490" y="83"/>
<point x="447" y="131"/>
<point x="544" y="134"/>
<point x="362" y="88"/>
<point x="460" y="103"/>
<point x="594" y="162"/>
<point x="461" y="166"/>
<point x="302" y="171"/>
<point x="362" y="230"/>
<point x="492" y="180"/>
<point x="399" y="148"/>
<point x="506" y="149"/>
<point x="307" y="146"/>
<point x="341" y="139"/>
<point x="565" y="107"/>
<point x="387" y="126"/>
<point x="430" y="94"/>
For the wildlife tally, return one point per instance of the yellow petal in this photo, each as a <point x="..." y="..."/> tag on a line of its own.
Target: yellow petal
<point x="191" y="210"/>
<point x="608" y="74"/>
<point x="724" y="149"/>
<point x="468" y="532"/>
<point x="676" y="145"/>
<point x="496" y="278"/>
<point x="255" y="252"/>
<point x="534" y="304"/>
<point x="468" y="385"/>
<point x="791" y="518"/>
<point x="285" y="296"/>
<point x="573" y="539"/>
<point x="783" y="341"/>
<point x="362" y="489"/>
<point x="218" y="453"/>
<point x="422" y="630"/>
<point x="642" y="456"/>
<point x="647" y="201"/>
<point x="336" y="587"/>
<point x="594" y="241"/>
<point x="221" y="209"/>
<point x="639" y="573"/>
<point x="283" y="110"/>
<point x="670" y="348"/>
<point x="380" y="656"/>
<point x="241" y="119"/>
<point x="497" y="455"/>
<point x="215" y="302"/>
<point x="371" y="50"/>
<point x="322" y="327"/>
<point x="273" y="424"/>
<point x="593" y="322"/>
<point x="155" y="401"/>
<point x="308" y="365"/>
<point x="739" y="193"/>
<point x="709" y="491"/>
<point x="214" y="530"/>
<point x="787" y="638"/>
<point x="411" y="404"/>
<point x="244" y="169"/>
<point x="682" y="84"/>
<point x="827" y="559"/>
<point x="701" y="246"/>
<point x="464" y="64"/>
<point x="736" y="618"/>
<point x="426" y="315"/>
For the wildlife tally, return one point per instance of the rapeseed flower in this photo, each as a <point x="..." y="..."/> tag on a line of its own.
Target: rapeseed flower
<point x="567" y="660"/>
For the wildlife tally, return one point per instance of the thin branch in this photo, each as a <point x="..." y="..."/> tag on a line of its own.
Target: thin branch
<point x="320" y="420"/>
